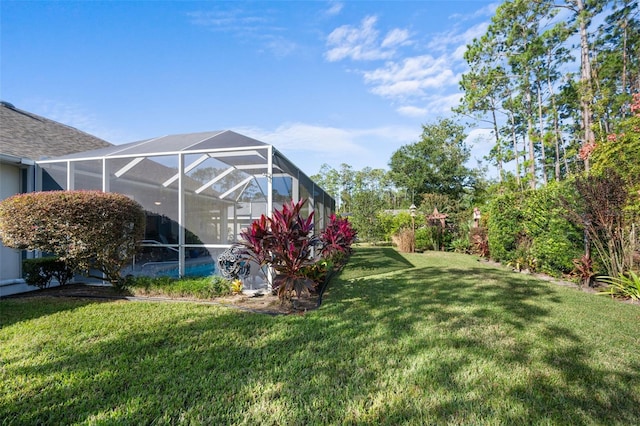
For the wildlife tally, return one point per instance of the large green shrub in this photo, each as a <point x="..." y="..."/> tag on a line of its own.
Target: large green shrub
<point x="504" y="225"/>
<point x="390" y="224"/>
<point x="430" y="238"/>
<point x="86" y="229"/>
<point x="532" y="227"/>
<point x="555" y="241"/>
<point x="620" y="151"/>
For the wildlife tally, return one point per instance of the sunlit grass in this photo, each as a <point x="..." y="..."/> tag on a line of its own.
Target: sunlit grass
<point x="400" y="339"/>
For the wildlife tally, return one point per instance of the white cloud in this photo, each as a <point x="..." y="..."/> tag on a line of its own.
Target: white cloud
<point x="443" y="42"/>
<point x="227" y="20"/>
<point x="440" y="105"/>
<point x="396" y="37"/>
<point x="432" y="106"/>
<point x="280" y="46"/>
<point x="308" y="137"/>
<point x="486" y="11"/>
<point x="364" y="42"/>
<point x="411" y="77"/>
<point x="412" y="111"/>
<point x="480" y="141"/>
<point x="335" y="7"/>
<point x="311" y="145"/>
<point x="71" y="115"/>
<point x="245" y="25"/>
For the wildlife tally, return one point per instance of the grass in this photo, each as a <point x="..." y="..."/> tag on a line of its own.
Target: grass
<point x="434" y="338"/>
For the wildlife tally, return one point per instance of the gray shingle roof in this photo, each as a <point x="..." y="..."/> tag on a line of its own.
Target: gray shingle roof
<point x="27" y="135"/>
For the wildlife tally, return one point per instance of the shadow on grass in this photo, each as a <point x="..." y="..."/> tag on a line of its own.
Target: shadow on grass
<point x="18" y="309"/>
<point x="432" y="345"/>
<point x="378" y="260"/>
<point x="479" y="316"/>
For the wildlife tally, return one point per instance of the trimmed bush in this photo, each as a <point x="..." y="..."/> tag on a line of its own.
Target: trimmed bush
<point x="39" y="272"/>
<point x="86" y="229"/>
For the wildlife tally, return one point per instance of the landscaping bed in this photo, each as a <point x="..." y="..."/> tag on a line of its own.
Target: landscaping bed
<point x="265" y="303"/>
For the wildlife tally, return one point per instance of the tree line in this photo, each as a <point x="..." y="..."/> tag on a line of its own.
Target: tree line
<point x="557" y="86"/>
<point x="552" y="80"/>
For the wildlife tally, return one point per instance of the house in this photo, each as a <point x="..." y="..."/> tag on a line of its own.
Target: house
<point x="198" y="189"/>
<point x="25" y="138"/>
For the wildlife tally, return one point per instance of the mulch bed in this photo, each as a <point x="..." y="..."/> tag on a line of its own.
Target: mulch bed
<point x="261" y="303"/>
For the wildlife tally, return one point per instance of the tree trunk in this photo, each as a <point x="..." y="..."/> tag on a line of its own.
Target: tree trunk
<point x="495" y="131"/>
<point x="586" y="81"/>
<point x="543" y="155"/>
<point x="554" y="111"/>
<point x="514" y="139"/>
<point x="531" y="146"/>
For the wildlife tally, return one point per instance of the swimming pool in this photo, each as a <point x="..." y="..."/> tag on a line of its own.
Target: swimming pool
<point x="170" y="269"/>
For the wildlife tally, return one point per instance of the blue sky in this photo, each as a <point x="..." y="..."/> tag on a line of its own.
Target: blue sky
<point x="323" y="81"/>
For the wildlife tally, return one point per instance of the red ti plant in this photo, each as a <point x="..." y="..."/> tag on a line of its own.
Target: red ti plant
<point x="583" y="269"/>
<point x="337" y="238"/>
<point x="284" y="242"/>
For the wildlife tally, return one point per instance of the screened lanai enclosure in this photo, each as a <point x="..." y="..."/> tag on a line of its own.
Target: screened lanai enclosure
<point x="199" y="190"/>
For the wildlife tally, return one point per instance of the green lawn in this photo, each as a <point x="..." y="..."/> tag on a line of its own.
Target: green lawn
<point x="434" y="338"/>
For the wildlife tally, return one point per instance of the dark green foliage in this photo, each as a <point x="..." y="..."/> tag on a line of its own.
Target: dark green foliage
<point x="431" y="238"/>
<point x="436" y="163"/>
<point x="555" y="241"/>
<point x="365" y="206"/>
<point x="39" y="272"/>
<point x="390" y="224"/>
<point x="504" y="224"/>
<point x="424" y="239"/>
<point x="530" y="229"/>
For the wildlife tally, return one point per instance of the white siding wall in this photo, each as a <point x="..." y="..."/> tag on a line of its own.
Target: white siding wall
<point x="9" y="258"/>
